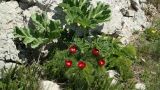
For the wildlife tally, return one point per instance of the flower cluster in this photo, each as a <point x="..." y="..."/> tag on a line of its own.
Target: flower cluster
<point x="82" y="64"/>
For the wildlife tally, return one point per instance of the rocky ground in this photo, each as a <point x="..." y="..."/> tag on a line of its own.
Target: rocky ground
<point x="127" y="17"/>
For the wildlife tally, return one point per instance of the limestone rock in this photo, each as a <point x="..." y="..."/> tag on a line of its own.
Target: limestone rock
<point x="114" y="75"/>
<point x="49" y="85"/>
<point x="51" y="3"/>
<point x="30" y="2"/>
<point x="10" y="16"/>
<point x="140" y="86"/>
<point x="135" y="4"/>
<point x="35" y="9"/>
<point x="28" y="12"/>
<point x="143" y="1"/>
<point x="127" y="22"/>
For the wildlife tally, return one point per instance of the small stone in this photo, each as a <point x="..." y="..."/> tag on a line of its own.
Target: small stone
<point x="114" y="76"/>
<point x="135" y="4"/>
<point x="9" y="65"/>
<point x="144" y="6"/>
<point x="140" y="86"/>
<point x="7" y="57"/>
<point x="112" y="73"/>
<point x="2" y="64"/>
<point x="123" y="11"/>
<point x="131" y="13"/>
<point x="114" y="81"/>
<point x="49" y="85"/>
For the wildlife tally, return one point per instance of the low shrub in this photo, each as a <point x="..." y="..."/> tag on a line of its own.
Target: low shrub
<point x="84" y="64"/>
<point x="20" y="78"/>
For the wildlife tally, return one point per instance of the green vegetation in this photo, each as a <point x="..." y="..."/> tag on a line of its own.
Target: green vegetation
<point x="42" y="32"/>
<point x="20" y="78"/>
<point x="110" y="52"/>
<point x="81" y="61"/>
<point x="149" y="51"/>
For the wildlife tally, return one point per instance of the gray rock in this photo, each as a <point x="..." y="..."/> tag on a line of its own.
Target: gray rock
<point x="140" y="86"/>
<point x="151" y="10"/>
<point x="10" y="16"/>
<point x="143" y="1"/>
<point x="127" y="13"/>
<point x="29" y="2"/>
<point x="28" y="12"/>
<point x="135" y="4"/>
<point x="2" y="64"/>
<point x="35" y="9"/>
<point x="131" y="13"/>
<point x="125" y="22"/>
<point x="114" y="76"/>
<point x="144" y="6"/>
<point x="51" y="4"/>
<point x="49" y="85"/>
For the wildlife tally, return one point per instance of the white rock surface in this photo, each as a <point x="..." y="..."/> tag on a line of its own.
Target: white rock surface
<point x="28" y="12"/>
<point x="140" y="86"/>
<point x="124" y="25"/>
<point x="35" y="9"/>
<point x="10" y="16"/>
<point x="49" y="85"/>
<point x="52" y="3"/>
<point x="6" y="66"/>
<point x="142" y="1"/>
<point x="114" y="76"/>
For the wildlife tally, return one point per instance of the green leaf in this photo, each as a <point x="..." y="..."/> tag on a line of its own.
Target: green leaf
<point x="130" y="50"/>
<point x="44" y="31"/>
<point x="28" y="40"/>
<point x="83" y="13"/>
<point x="123" y="65"/>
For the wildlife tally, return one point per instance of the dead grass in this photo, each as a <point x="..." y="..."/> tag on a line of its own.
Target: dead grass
<point x="156" y="3"/>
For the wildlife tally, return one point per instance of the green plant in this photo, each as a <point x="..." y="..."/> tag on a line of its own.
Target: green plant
<point x="149" y="52"/>
<point x="151" y="74"/>
<point x="150" y="42"/>
<point x="42" y="32"/>
<point x="20" y="78"/>
<point x="152" y="34"/>
<point x="84" y="66"/>
<point x="80" y="13"/>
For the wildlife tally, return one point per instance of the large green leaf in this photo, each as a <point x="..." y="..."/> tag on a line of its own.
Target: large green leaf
<point x="83" y="13"/>
<point x="44" y="31"/>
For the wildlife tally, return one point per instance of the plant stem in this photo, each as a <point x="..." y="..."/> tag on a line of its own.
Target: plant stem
<point x="41" y="49"/>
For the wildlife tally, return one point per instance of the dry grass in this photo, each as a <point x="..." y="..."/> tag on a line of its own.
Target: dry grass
<point x="156" y="3"/>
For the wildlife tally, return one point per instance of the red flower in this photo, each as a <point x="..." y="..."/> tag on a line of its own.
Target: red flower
<point x="81" y="64"/>
<point x="95" y="52"/>
<point x="73" y="49"/>
<point x="68" y="63"/>
<point x="101" y="62"/>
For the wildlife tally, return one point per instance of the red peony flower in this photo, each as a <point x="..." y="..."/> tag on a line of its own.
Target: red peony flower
<point x="73" y="49"/>
<point x="68" y="63"/>
<point x="101" y="62"/>
<point x="95" y="52"/>
<point x="81" y="64"/>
